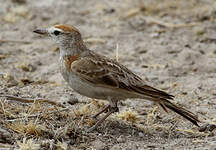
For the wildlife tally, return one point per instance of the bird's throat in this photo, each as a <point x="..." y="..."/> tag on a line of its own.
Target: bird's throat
<point x="72" y="49"/>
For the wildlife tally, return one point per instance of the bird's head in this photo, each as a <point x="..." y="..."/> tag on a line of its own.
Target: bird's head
<point x="61" y="33"/>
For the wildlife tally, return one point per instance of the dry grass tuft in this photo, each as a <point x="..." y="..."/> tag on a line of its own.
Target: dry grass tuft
<point x="128" y="116"/>
<point x="61" y="146"/>
<point x="28" y="144"/>
<point x="151" y="116"/>
<point x="26" y="67"/>
<point x="83" y="111"/>
<point x="32" y="128"/>
<point x="89" y="109"/>
<point x="98" y="104"/>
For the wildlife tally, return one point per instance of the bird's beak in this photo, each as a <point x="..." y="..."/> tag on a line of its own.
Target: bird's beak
<point x="41" y="31"/>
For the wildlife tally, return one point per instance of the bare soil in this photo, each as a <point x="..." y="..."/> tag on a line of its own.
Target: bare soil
<point x="170" y="44"/>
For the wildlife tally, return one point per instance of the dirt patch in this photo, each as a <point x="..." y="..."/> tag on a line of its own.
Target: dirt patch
<point x="170" y="44"/>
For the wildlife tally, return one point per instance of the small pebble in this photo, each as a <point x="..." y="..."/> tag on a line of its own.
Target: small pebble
<point x="5" y="136"/>
<point x="73" y="101"/>
<point x="141" y="134"/>
<point x="154" y="35"/>
<point x="69" y="99"/>
<point x="121" y="139"/>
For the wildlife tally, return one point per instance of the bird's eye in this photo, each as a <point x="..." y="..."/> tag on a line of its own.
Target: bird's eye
<point x="56" y="33"/>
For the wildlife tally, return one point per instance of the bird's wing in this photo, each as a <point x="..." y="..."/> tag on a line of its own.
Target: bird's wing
<point x="105" y="72"/>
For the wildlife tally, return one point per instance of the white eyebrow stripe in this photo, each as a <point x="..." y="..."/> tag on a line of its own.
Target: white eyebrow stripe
<point x="52" y="29"/>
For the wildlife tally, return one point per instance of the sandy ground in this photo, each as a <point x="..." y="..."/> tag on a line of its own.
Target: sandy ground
<point x="170" y="44"/>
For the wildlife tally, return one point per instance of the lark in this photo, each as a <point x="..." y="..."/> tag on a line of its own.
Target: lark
<point x="96" y="76"/>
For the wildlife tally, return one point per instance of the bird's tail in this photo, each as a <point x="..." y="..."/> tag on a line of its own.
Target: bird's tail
<point x="164" y="103"/>
<point x="163" y="99"/>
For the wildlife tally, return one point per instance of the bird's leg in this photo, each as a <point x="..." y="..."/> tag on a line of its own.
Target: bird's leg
<point x="112" y="107"/>
<point x="111" y="110"/>
<point x="103" y="110"/>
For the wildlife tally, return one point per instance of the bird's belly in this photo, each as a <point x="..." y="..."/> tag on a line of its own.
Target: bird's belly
<point x="86" y="88"/>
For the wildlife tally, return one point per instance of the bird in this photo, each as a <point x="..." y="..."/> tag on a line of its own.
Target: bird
<point x="99" y="77"/>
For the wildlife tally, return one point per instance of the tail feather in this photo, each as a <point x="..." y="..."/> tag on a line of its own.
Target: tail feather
<point x="181" y="111"/>
<point x="163" y="98"/>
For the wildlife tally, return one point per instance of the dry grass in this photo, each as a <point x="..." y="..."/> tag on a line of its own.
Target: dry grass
<point x="41" y="121"/>
<point x="28" y="144"/>
<point x="128" y="116"/>
<point x="38" y="122"/>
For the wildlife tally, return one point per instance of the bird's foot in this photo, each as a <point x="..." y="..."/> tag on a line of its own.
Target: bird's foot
<point x="105" y="109"/>
<point x="111" y="110"/>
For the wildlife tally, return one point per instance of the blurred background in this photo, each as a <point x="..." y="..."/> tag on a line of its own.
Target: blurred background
<point x="169" y="43"/>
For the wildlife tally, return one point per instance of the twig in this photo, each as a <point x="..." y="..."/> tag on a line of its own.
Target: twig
<point x="29" y="100"/>
<point x="167" y="24"/>
<point x="94" y="40"/>
<point x="131" y="13"/>
<point x="117" y="52"/>
<point x="38" y="115"/>
<point x="15" y="41"/>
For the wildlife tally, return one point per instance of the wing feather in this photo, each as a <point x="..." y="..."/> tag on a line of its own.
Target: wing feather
<point x="109" y="73"/>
